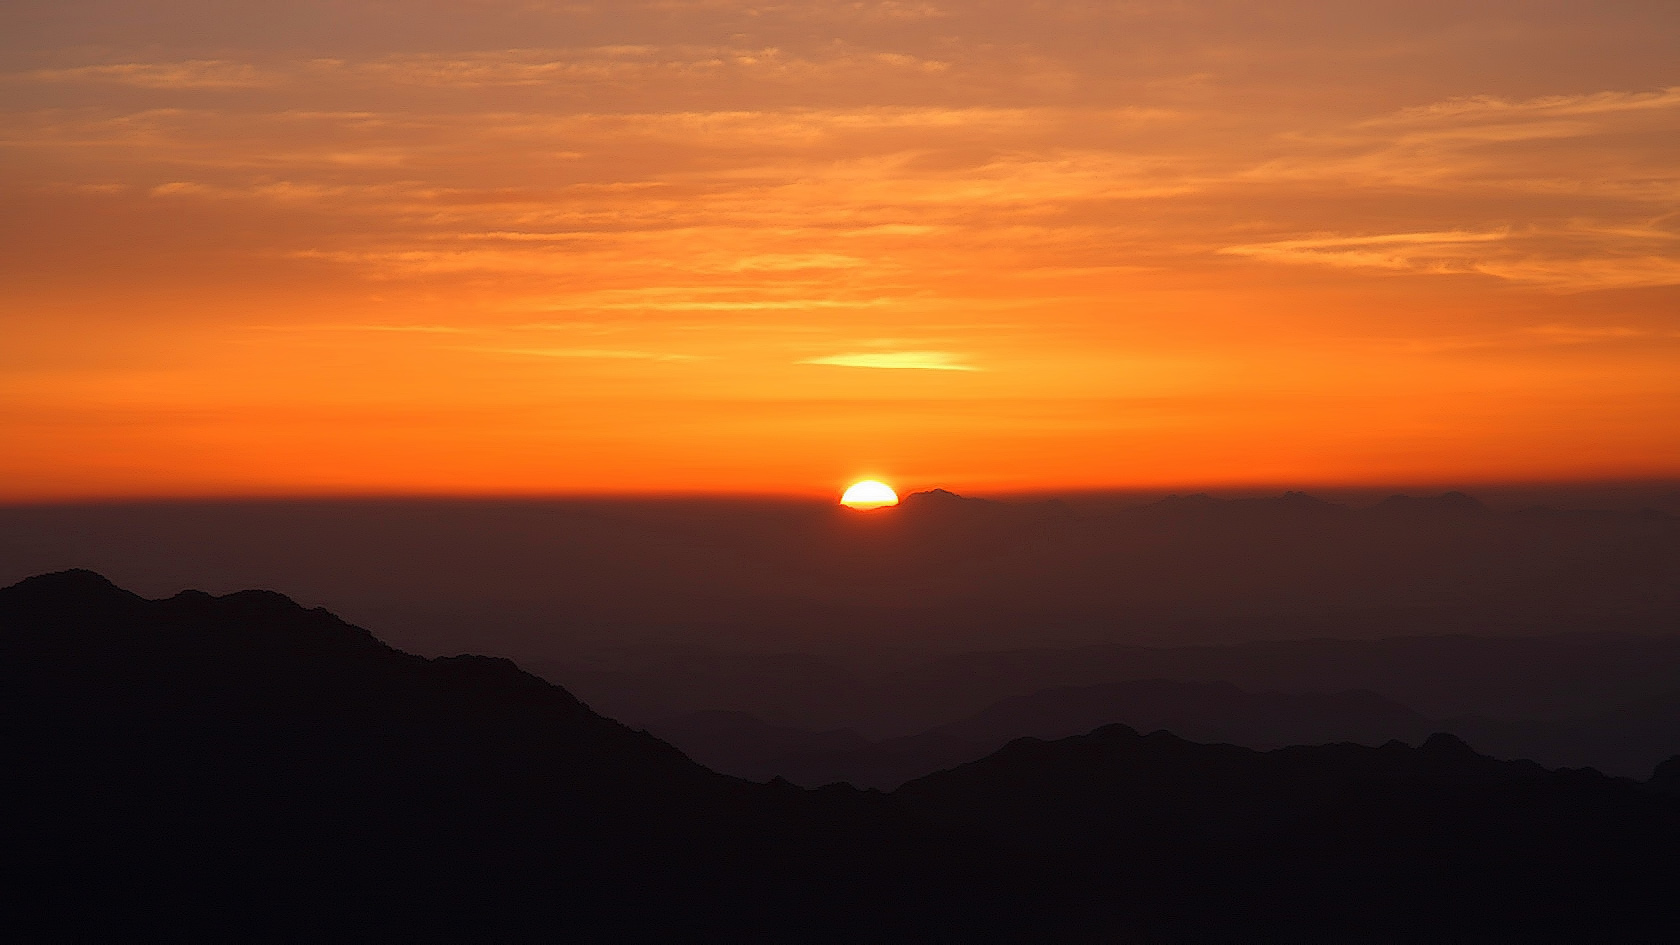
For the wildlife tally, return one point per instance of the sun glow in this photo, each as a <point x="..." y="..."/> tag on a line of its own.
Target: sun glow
<point x="869" y="494"/>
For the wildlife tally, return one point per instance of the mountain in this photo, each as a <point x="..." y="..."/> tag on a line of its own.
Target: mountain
<point x="1447" y="504"/>
<point x="242" y="769"/>
<point x="935" y="501"/>
<point x="1395" y="840"/>
<point x="1628" y="740"/>
<point x="743" y="745"/>
<point x="1666" y="777"/>
<point x="1207" y="712"/>
<point x="740" y="744"/>
<point x="1465" y="680"/>
<point x="239" y="768"/>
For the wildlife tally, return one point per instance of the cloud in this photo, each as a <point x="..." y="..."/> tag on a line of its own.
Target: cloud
<point x="896" y="360"/>
<point x="793" y="262"/>
<point x="624" y="67"/>
<point x="189" y="74"/>
<point x="603" y="354"/>
<point x="1533" y="258"/>
<point x="1482" y="108"/>
<point x="834" y="10"/>
<point x="1383" y="251"/>
<point x="1587" y="274"/>
<point x="390" y="328"/>
<point x="1593" y="334"/>
<point x="1481" y="145"/>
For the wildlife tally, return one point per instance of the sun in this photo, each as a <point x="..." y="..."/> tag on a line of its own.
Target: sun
<point x="869" y="494"/>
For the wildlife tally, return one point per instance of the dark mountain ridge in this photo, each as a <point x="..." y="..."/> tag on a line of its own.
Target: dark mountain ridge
<point x="740" y="744"/>
<point x="241" y="769"/>
<point x="1628" y="741"/>
<point x="1461" y="678"/>
<point x="211" y="759"/>
<point x="1408" y="834"/>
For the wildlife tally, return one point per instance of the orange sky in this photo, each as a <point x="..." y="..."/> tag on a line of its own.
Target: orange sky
<point x="528" y="247"/>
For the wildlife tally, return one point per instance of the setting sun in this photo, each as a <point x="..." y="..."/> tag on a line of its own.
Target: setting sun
<point x="869" y="494"/>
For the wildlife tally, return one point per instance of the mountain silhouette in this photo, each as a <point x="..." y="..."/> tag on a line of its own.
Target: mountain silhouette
<point x="1627" y="741"/>
<point x="1666" y="777"/>
<point x="934" y="499"/>
<point x="1574" y="700"/>
<point x="740" y="744"/>
<point x="1414" y="837"/>
<point x="745" y="746"/>
<point x="239" y="768"/>
<point x="1445" y="504"/>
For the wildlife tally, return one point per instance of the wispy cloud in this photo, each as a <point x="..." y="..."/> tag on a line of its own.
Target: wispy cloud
<point x="1585" y="274"/>
<point x="1384" y="251"/>
<point x="1612" y="257"/>
<point x="602" y="354"/>
<point x="897" y="360"/>
<point x="1482" y="108"/>
<point x="793" y="262"/>
<point x="377" y="328"/>
<point x="189" y="74"/>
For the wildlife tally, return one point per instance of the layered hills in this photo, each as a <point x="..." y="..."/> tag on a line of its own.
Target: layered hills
<point x="1627" y="741"/>
<point x="239" y="768"/>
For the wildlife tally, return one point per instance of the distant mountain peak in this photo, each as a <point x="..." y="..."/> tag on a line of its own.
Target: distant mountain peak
<point x="1667" y="776"/>
<point x="74" y="586"/>
<point x="1445" y="743"/>
<point x="72" y="579"/>
<point x="1447" y="503"/>
<point x="939" y="496"/>
<point x="1291" y="502"/>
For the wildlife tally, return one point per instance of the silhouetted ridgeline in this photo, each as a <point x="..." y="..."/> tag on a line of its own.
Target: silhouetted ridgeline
<point x="1628" y="741"/>
<point x="814" y="618"/>
<point x="740" y="744"/>
<point x="242" y="769"/>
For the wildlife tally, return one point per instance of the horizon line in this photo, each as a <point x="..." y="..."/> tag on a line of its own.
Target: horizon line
<point x="1001" y="493"/>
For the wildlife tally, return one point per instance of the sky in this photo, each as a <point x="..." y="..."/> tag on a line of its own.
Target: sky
<point x="498" y="247"/>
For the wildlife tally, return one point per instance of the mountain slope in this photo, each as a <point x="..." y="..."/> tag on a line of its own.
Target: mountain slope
<point x="740" y="744"/>
<point x="261" y="771"/>
<point x="1397" y="839"/>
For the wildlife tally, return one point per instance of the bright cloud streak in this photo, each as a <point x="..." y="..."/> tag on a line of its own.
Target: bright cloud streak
<point x="897" y="360"/>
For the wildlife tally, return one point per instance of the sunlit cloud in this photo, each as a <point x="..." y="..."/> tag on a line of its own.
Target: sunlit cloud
<point x="1501" y="255"/>
<point x="1383" y="251"/>
<point x="625" y="65"/>
<point x="897" y="360"/>
<point x="1483" y="108"/>
<point x="192" y="74"/>
<point x="1587" y="274"/>
<point x="595" y="354"/>
<point x="394" y="329"/>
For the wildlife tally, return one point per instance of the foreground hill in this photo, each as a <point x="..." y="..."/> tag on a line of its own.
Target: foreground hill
<point x="240" y="769"/>
<point x="1333" y="837"/>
